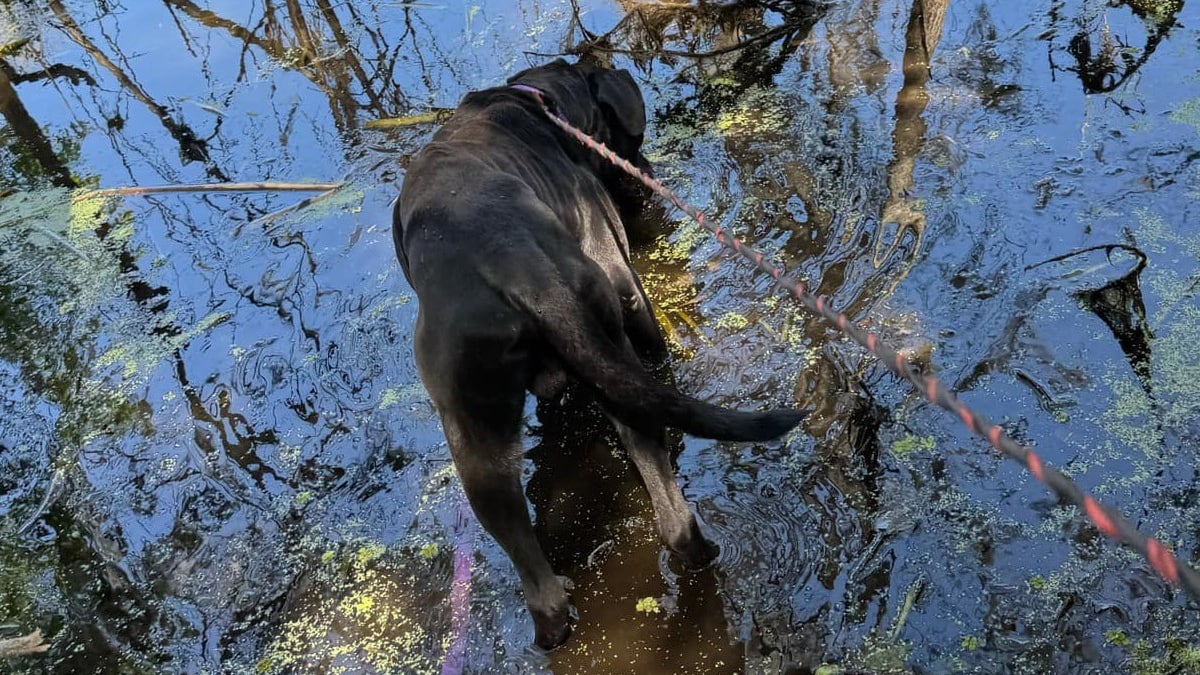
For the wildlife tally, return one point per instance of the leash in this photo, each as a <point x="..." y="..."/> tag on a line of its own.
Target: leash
<point x="1104" y="518"/>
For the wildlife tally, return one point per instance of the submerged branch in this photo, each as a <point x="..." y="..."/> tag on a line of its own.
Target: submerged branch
<point x="208" y="187"/>
<point x="437" y="116"/>
<point x="21" y="646"/>
<point x="1107" y="248"/>
<point x="303" y="203"/>
<point x="589" y="47"/>
<point x="10" y="48"/>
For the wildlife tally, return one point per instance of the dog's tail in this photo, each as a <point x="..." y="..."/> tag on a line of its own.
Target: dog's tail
<point x="628" y="391"/>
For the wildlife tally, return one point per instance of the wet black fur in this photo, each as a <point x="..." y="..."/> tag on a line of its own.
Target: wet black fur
<point x="512" y="236"/>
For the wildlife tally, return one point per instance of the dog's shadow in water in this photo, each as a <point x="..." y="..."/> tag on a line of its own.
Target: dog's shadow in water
<point x="594" y="519"/>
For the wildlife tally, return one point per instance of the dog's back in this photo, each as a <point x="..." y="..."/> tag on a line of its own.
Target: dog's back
<point x="511" y="241"/>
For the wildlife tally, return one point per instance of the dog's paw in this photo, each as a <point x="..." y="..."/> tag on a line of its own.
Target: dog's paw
<point x="694" y="550"/>
<point x="699" y="554"/>
<point x="553" y="629"/>
<point x="553" y="615"/>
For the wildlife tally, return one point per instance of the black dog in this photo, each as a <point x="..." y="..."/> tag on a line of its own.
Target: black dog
<point x="511" y="234"/>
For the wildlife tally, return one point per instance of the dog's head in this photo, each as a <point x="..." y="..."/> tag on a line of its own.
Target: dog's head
<point x="603" y="102"/>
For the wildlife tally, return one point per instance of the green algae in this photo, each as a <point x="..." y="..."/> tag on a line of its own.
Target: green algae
<point x="1156" y="235"/>
<point x="685" y="237"/>
<point x="70" y="283"/>
<point x="1188" y="113"/>
<point x="408" y="394"/>
<point x="648" y="605"/>
<point x="1116" y="637"/>
<point x="909" y="444"/>
<point x="360" y="617"/>
<point x="756" y="113"/>
<point x="367" y="606"/>
<point x="1175" y="656"/>
<point x="141" y="354"/>
<point x="389" y="398"/>
<point x="27" y="597"/>
<point x="731" y="321"/>
<point x="1136" y="418"/>
<point x="369" y="552"/>
<point x="1133" y="418"/>
<point x="1156" y="10"/>
<point x="879" y="655"/>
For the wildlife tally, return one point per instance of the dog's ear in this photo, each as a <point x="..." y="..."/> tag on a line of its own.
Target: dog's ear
<point x="617" y="90"/>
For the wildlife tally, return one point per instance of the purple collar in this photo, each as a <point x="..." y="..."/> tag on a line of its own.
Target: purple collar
<point x="533" y="91"/>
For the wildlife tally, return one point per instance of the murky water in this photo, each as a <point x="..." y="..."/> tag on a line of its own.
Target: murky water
<point x="217" y="456"/>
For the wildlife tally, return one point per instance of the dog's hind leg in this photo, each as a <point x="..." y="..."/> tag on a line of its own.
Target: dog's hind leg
<point x="676" y="524"/>
<point x="674" y="518"/>
<point x="478" y="388"/>
<point x="489" y="467"/>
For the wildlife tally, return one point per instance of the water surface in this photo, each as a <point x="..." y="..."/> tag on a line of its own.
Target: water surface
<point x="217" y="455"/>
